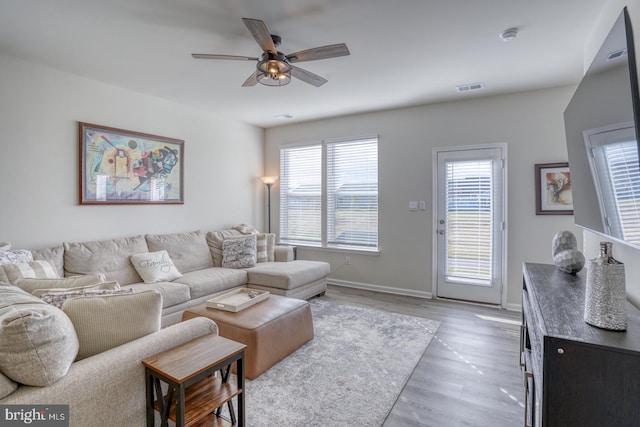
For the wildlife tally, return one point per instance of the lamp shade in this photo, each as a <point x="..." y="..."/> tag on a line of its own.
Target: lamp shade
<point x="269" y="179"/>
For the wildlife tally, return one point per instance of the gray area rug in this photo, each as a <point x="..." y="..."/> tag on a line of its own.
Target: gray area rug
<point x="350" y="374"/>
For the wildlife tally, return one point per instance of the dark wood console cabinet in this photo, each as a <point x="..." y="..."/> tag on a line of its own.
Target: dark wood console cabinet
<point x="575" y="374"/>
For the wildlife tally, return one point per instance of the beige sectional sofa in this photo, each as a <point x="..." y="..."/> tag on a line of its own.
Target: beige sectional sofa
<point x="108" y="388"/>
<point x="197" y="257"/>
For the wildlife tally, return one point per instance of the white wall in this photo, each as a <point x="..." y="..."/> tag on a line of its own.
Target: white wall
<point x="530" y="123"/>
<point x="39" y="111"/>
<point x="629" y="255"/>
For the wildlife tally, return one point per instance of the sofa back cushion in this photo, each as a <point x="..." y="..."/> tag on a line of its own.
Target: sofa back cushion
<point x="38" y="343"/>
<point x="188" y="251"/>
<point x="110" y="257"/>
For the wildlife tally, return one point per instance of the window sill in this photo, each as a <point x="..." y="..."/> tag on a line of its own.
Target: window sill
<point x="339" y="249"/>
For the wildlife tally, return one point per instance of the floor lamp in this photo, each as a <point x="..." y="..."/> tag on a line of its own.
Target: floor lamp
<point x="269" y="181"/>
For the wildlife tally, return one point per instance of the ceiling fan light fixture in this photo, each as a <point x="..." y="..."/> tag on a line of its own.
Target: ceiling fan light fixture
<point x="273" y="71"/>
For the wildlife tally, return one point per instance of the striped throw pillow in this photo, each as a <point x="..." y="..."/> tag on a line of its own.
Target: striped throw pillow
<point x="40" y="269"/>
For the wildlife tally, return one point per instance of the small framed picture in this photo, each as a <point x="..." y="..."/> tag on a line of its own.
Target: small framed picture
<point x="553" y="189"/>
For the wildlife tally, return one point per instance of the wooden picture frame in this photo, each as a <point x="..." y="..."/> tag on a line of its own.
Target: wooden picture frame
<point x="123" y="167"/>
<point x="553" y="189"/>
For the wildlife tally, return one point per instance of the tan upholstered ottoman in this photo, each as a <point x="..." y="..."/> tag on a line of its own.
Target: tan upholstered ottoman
<point x="271" y="329"/>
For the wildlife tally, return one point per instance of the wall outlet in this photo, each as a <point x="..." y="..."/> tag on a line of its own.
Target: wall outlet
<point x="347" y="260"/>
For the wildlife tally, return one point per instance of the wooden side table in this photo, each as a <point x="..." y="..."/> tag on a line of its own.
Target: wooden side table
<point x="199" y="395"/>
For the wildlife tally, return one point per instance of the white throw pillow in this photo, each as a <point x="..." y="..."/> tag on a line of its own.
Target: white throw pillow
<point x="239" y="252"/>
<point x="104" y="322"/>
<point x="155" y="267"/>
<point x="40" y="269"/>
<point x="271" y="244"/>
<point x="30" y="285"/>
<point x="261" y="248"/>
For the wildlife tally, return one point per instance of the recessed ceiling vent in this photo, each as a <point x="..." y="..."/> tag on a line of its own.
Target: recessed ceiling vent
<point x="617" y="54"/>
<point x="470" y="87"/>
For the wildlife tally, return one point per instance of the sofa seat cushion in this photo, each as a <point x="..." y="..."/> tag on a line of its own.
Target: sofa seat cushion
<point x="211" y="280"/>
<point x="38" y="343"/>
<point x="188" y="251"/>
<point x="287" y="275"/>
<point x="172" y="293"/>
<point x="110" y="257"/>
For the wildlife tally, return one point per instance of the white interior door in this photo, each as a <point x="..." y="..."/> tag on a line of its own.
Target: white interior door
<point x="469" y="204"/>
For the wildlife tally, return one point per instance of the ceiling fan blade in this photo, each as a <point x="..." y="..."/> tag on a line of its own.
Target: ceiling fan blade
<point x="251" y="81"/>
<point x="233" y="57"/>
<point x="262" y="35"/>
<point x="322" y="52"/>
<point x="308" y="76"/>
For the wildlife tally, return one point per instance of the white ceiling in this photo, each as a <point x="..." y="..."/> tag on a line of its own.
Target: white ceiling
<point x="403" y="52"/>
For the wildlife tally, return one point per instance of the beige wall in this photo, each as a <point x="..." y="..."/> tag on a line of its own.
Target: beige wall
<point x="530" y="123"/>
<point x="39" y="111"/>
<point x="629" y="255"/>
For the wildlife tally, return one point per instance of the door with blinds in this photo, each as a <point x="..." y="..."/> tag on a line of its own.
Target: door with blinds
<point x="469" y="229"/>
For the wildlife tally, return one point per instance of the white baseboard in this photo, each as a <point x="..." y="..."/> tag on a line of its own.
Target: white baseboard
<point x="378" y="288"/>
<point x="398" y="291"/>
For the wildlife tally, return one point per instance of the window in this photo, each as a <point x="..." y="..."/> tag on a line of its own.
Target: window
<point x="469" y="199"/>
<point x="613" y="158"/>
<point x="329" y="194"/>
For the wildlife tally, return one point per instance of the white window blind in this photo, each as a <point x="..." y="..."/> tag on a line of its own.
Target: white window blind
<point x="342" y="210"/>
<point x="624" y="175"/>
<point x="469" y="201"/>
<point x="301" y="194"/>
<point x="352" y="193"/>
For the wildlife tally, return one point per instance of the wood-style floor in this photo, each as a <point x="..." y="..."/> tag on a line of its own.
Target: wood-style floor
<point x="468" y="376"/>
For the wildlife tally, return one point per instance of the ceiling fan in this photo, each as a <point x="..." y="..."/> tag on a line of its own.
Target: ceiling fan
<point x="274" y="68"/>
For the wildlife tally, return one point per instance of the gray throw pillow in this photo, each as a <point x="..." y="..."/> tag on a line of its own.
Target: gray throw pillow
<point x="239" y="252"/>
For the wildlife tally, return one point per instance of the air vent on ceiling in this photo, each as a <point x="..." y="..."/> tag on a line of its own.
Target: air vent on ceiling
<point x="616" y="54"/>
<point x="470" y="87"/>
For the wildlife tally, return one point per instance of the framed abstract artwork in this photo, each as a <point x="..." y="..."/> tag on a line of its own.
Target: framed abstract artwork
<point x="553" y="189"/>
<point x="124" y="167"/>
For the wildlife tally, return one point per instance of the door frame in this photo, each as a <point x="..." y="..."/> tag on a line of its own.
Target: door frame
<point x="434" y="214"/>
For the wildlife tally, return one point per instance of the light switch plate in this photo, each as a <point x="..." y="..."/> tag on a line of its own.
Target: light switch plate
<point x="413" y="206"/>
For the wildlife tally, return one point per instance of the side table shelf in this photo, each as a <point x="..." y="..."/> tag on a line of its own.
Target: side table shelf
<point x="199" y="383"/>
